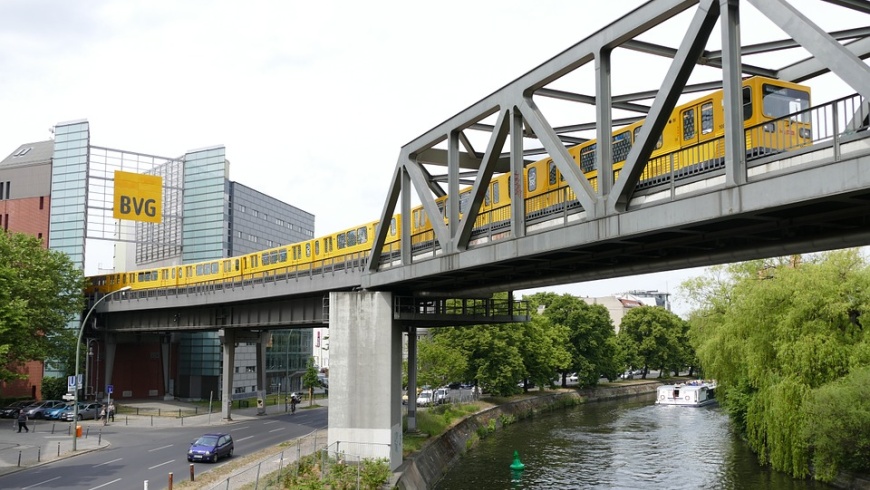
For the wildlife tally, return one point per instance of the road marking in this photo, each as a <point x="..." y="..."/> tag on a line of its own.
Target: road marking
<point x="276" y="430"/>
<point x="161" y="464"/>
<point x="244" y="438"/>
<point x="40" y="483"/>
<point x="108" y="462"/>
<point x="270" y="422"/>
<point x="159" y="448"/>
<point x="107" y="483"/>
<point x="240" y="428"/>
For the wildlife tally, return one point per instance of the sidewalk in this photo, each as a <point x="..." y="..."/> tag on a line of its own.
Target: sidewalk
<point x="50" y="440"/>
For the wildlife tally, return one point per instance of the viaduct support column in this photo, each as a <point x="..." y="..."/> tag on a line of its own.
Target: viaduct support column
<point x="365" y="377"/>
<point x="228" y="345"/>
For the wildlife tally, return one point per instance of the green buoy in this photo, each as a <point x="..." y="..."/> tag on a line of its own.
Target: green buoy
<point x="517" y="465"/>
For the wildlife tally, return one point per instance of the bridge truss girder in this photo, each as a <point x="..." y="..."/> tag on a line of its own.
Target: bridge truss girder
<point x="518" y="116"/>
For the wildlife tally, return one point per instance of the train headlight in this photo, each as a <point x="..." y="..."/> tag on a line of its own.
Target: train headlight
<point x="805" y="133"/>
<point x="769" y="127"/>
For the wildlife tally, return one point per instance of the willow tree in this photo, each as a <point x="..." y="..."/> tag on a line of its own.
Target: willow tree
<point x="40" y="291"/>
<point x="780" y="335"/>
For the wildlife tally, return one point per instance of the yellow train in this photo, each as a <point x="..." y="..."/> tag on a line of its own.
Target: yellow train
<point x="775" y="114"/>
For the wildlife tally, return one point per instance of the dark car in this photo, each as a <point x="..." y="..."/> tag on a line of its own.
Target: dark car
<point x="37" y="410"/>
<point x="11" y="411"/>
<point x="210" y="447"/>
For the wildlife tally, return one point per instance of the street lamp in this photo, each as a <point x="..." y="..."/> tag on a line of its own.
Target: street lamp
<point x="78" y="357"/>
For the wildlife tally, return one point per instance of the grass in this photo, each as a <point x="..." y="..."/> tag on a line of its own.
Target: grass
<point x="434" y="422"/>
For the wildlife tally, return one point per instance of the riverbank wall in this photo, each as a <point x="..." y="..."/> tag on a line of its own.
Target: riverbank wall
<point x="428" y="465"/>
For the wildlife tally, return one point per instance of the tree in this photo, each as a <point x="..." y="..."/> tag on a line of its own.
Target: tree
<point x="784" y="339"/>
<point x="53" y="388"/>
<point x="494" y="358"/>
<point x="587" y="333"/>
<point x="438" y="362"/>
<point x="40" y="292"/>
<point x="653" y="337"/>
<point x="310" y="380"/>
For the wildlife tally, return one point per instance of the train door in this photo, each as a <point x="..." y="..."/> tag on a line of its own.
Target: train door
<point x="688" y="137"/>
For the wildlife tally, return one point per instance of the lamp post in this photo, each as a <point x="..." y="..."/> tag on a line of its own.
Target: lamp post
<point x="78" y="358"/>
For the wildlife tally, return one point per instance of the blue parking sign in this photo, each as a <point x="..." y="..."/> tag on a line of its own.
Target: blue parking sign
<point x="110" y="389"/>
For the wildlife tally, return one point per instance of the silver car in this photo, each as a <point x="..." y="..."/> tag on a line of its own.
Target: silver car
<point x="90" y="411"/>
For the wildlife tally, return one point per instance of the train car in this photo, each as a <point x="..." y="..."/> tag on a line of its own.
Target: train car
<point x="775" y="117"/>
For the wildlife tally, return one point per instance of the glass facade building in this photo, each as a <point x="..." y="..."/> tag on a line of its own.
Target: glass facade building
<point x="205" y="216"/>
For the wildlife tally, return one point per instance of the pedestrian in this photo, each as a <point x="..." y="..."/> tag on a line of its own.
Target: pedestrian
<point x="103" y="415"/>
<point x="292" y="405"/>
<point x="22" y="421"/>
<point x="112" y="411"/>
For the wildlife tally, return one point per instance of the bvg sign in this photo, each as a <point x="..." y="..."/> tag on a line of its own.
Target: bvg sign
<point x="138" y="197"/>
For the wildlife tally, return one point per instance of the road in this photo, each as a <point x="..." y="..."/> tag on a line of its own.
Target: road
<point x="137" y="454"/>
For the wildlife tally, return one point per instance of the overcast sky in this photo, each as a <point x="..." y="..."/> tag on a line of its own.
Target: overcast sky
<point x="313" y="100"/>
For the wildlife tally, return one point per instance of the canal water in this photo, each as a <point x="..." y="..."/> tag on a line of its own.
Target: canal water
<point x="624" y="444"/>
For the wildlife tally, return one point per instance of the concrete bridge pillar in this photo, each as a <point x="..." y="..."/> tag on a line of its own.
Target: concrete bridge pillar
<point x="365" y="377"/>
<point x="228" y="346"/>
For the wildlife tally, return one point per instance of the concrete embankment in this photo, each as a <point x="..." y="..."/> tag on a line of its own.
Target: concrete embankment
<point x="427" y="466"/>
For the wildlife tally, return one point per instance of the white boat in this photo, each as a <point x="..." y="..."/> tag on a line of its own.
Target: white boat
<point x="691" y="394"/>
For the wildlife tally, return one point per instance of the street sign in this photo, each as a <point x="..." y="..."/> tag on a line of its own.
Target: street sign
<point x="110" y="389"/>
<point x="69" y="397"/>
<point x="80" y="381"/>
<point x="70" y="383"/>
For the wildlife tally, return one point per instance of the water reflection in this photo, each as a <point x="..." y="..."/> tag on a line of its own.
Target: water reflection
<point x="626" y="444"/>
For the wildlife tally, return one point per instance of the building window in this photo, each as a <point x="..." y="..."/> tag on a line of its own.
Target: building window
<point x="41" y="202"/>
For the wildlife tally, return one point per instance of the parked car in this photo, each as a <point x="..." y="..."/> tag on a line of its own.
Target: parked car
<point x="11" y="411"/>
<point x="37" y="410"/>
<point x="211" y="447"/>
<point x="54" y="413"/>
<point x="90" y="411"/>
<point x="440" y="396"/>
<point x="424" y="398"/>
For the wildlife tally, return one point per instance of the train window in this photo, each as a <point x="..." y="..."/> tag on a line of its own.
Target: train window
<point x="351" y="238"/>
<point x="265" y="257"/>
<point x="707" y="118"/>
<point x="341" y="240"/>
<point x="297" y="252"/>
<point x="747" y="103"/>
<point x="393" y="226"/>
<point x="552" y="172"/>
<point x="316" y="247"/>
<point x="486" y="200"/>
<point x="273" y="257"/>
<point x="362" y="235"/>
<point x="621" y="146"/>
<point x="254" y="261"/>
<point x="237" y="264"/>
<point x="173" y="273"/>
<point x="189" y="272"/>
<point x="532" y="179"/>
<point x="282" y="255"/>
<point x="327" y="244"/>
<point x="463" y="201"/>
<point x="199" y="270"/>
<point x="214" y="268"/>
<point x="495" y="197"/>
<point x="659" y="143"/>
<point x="308" y="249"/>
<point x="780" y="101"/>
<point x="689" y="124"/>
<point x="587" y="158"/>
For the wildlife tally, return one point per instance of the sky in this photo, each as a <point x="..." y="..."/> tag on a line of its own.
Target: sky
<point x="312" y="100"/>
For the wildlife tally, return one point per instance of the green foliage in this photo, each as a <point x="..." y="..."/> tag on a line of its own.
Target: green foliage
<point x="370" y="474"/>
<point x="840" y="415"/>
<point x="310" y="380"/>
<point x="374" y="473"/>
<point x="584" y="333"/>
<point x="438" y="362"/>
<point x="652" y="337"/>
<point x="53" y="388"/>
<point x="40" y="291"/>
<point x="785" y="341"/>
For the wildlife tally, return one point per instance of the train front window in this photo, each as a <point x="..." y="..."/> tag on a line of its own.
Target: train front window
<point x="780" y="101"/>
<point x="532" y="178"/>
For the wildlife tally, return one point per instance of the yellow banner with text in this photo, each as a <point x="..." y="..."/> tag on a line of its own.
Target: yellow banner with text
<point x="138" y="197"/>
